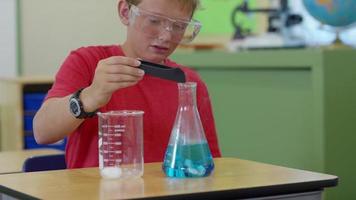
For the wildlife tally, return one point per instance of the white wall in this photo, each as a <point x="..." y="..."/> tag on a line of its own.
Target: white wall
<point x="50" y="29"/>
<point x="8" y="38"/>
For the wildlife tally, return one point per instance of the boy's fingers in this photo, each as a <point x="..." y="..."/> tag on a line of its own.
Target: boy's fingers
<point x="122" y="60"/>
<point x="122" y="69"/>
<point x="121" y="78"/>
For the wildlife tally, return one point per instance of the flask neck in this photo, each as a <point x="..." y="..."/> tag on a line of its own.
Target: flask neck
<point x="187" y="94"/>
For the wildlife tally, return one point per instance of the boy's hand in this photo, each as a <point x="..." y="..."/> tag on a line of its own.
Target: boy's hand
<point x="111" y="74"/>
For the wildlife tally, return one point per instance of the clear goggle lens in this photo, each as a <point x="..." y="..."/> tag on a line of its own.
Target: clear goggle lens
<point x="153" y="25"/>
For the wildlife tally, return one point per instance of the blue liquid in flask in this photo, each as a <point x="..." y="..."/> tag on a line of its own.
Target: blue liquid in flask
<point x="188" y="160"/>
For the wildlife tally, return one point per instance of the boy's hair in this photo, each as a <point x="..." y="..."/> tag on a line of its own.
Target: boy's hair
<point x="190" y="4"/>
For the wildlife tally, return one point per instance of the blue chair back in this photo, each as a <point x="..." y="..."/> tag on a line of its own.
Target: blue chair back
<point x="44" y="163"/>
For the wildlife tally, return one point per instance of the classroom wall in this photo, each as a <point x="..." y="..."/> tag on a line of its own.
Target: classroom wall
<point x="8" y="40"/>
<point x="50" y="29"/>
<point x="216" y="16"/>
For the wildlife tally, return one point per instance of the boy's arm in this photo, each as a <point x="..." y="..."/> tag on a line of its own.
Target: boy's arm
<point x="54" y="120"/>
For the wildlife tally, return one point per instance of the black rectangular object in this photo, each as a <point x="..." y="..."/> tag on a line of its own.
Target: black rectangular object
<point x="162" y="71"/>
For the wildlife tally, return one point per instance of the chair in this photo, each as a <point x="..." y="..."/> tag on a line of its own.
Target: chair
<point x="44" y="162"/>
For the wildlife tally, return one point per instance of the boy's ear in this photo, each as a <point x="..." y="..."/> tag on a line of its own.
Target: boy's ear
<point x="123" y="10"/>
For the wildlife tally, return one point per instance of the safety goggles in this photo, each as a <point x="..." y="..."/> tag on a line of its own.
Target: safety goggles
<point x="153" y="25"/>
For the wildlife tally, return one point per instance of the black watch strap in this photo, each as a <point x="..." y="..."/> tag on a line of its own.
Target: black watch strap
<point x="77" y="108"/>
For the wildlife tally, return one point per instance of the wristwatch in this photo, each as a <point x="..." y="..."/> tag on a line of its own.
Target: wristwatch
<point x="76" y="106"/>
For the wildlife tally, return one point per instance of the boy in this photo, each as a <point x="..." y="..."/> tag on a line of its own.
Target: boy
<point x="105" y="78"/>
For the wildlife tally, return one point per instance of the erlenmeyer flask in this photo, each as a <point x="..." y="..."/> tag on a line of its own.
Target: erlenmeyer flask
<point x="188" y="153"/>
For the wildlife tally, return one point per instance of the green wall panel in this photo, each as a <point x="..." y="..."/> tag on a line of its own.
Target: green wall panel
<point x="216" y="17"/>
<point x="265" y="115"/>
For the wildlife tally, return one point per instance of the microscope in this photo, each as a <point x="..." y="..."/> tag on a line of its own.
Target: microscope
<point x="278" y="33"/>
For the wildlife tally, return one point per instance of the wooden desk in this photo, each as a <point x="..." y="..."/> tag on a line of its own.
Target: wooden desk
<point x="232" y="178"/>
<point x="12" y="161"/>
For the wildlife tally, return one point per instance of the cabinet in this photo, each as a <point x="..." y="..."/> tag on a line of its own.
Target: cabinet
<point x="19" y="100"/>
<point x="295" y="108"/>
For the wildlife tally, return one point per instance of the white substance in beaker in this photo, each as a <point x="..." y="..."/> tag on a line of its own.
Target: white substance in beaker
<point x="111" y="172"/>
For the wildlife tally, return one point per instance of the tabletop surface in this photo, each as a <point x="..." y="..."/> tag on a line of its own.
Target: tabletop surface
<point x="232" y="176"/>
<point x="12" y="161"/>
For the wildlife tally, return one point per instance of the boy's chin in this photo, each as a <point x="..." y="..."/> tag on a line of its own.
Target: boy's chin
<point x="155" y="58"/>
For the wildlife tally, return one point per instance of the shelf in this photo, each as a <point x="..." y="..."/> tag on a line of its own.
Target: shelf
<point x="16" y="116"/>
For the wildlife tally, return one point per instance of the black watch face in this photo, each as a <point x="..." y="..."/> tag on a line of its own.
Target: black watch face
<point x="74" y="107"/>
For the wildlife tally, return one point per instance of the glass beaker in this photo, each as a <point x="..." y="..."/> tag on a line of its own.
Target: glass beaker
<point x="188" y="153"/>
<point x="121" y="144"/>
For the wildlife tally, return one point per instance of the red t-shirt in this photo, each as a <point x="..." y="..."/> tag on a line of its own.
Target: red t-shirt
<point x="158" y="98"/>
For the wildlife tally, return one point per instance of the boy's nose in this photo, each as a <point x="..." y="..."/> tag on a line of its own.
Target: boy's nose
<point x="168" y="27"/>
<point x="165" y="34"/>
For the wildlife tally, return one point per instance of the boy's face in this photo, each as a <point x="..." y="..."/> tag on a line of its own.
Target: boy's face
<point x="152" y="42"/>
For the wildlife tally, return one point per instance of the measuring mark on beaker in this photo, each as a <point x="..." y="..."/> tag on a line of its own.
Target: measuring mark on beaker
<point x="112" y="134"/>
<point x="115" y="151"/>
<point x="114" y="143"/>
<point x="113" y="126"/>
<point x="111" y="160"/>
